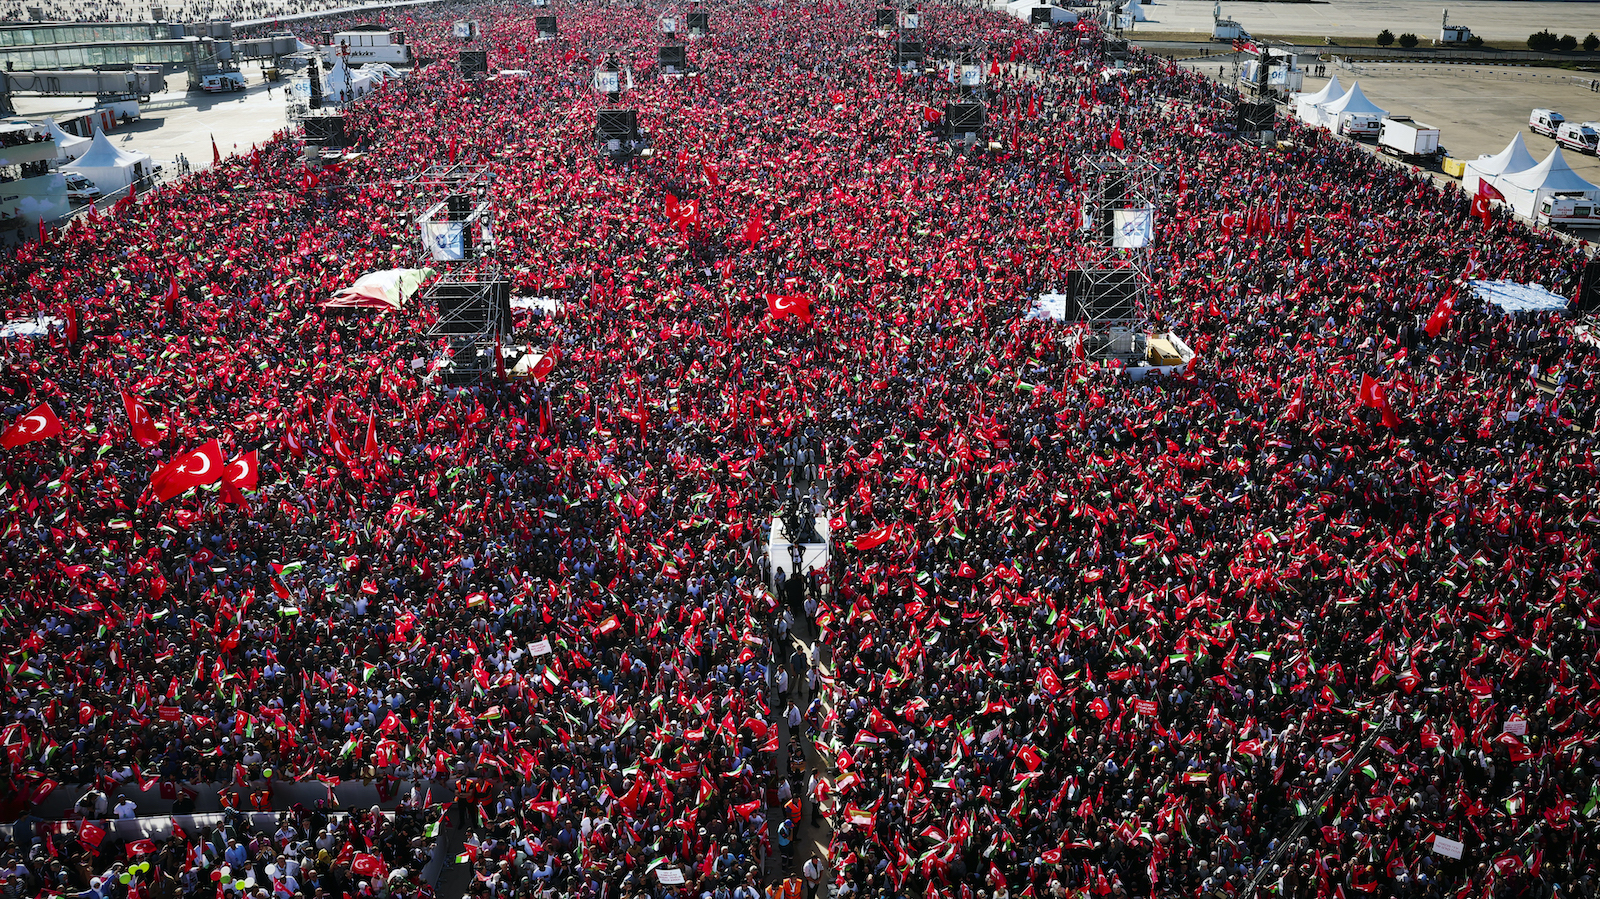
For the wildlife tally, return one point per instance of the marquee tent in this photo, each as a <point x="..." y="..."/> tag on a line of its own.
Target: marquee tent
<point x="108" y="166"/>
<point x="69" y="146"/>
<point x="1527" y="190"/>
<point x="1305" y="105"/>
<point x="1334" y="112"/>
<point x="1514" y="158"/>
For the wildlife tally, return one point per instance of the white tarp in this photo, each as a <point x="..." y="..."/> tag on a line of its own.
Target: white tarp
<point x="1305" y="105"/>
<point x="546" y="305"/>
<point x="108" y="166"/>
<point x="1527" y="190"/>
<point x="1050" y="306"/>
<point x="1133" y="229"/>
<point x="1513" y="297"/>
<point x="31" y="327"/>
<point x="1514" y="158"/>
<point x="1352" y="103"/>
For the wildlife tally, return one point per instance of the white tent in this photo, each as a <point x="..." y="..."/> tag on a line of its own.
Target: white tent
<point x="1526" y="190"/>
<point x="1355" y="102"/>
<point x="1514" y="158"/>
<point x="110" y="168"/>
<point x="68" y="146"/>
<point x="1305" y="105"/>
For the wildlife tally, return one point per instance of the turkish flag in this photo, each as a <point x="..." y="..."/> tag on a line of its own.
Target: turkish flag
<point x="194" y="469"/>
<point x="242" y="471"/>
<point x="1297" y="406"/>
<point x="874" y="537"/>
<point x="752" y="228"/>
<point x="784" y="306"/>
<point x="1443" y="311"/>
<point x="545" y="365"/>
<point x="367" y="865"/>
<point x="1368" y="395"/>
<point x="1048" y="682"/>
<point x="141" y="847"/>
<point x="369" y="449"/>
<point x="36" y="425"/>
<point x="169" y="300"/>
<point x="91" y="835"/>
<point x="139" y="422"/>
<point x="1116" y="136"/>
<point x="1480" y="200"/>
<point x="341" y="448"/>
<point x="292" y="442"/>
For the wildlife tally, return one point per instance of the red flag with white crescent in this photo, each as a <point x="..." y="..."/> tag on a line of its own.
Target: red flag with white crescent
<point x="193" y="469"/>
<point x="140" y="424"/>
<point x="39" y="424"/>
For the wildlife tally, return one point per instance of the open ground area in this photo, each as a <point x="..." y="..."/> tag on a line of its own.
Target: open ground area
<point x="1499" y="20"/>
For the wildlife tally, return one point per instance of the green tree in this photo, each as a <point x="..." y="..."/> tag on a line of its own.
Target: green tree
<point x="1474" y="42"/>
<point x="1408" y="40"/>
<point x="1567" y="44"/>
<point x="1592" y="42"/>
<point x="1542" y="40"/>
<point x="1385" y="37"/>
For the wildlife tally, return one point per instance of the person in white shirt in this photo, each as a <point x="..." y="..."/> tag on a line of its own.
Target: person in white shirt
<point x="126" y="809"/>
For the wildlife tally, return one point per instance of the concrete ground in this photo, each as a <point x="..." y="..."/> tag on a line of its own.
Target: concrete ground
<point x="179" y="122"/>
<point x="1365" y="18"/>
<point x="1477" y="109"/>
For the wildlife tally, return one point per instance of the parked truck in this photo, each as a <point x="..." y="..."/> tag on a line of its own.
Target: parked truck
<point x="1403" y="136"/>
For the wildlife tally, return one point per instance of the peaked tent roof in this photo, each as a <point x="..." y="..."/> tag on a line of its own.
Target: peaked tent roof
<point x="103" y="154"/>
<point x="1514" y="158"/>
<point x="64" y="141"/>
<point x="1329" y="93"/>
<point x="1354" y="101"/>
<point x="1552" y="174"/>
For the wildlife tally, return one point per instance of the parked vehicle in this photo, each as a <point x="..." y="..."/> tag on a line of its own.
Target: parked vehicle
<point x="1546" y="121"/>
<point x="1575" y="136"/>
<point x="80" y="188"/>
<point x="1401" y="135"/>
<point x="1358" y="124"/>
<point x="220" y="82"/>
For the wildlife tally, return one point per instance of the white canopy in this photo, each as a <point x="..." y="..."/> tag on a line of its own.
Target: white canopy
<point x="1526" y="190"/>
<point x="1305" y="106"/>
<point x="108" y="166"/>
<point x="1353" y="103"/>
<point x="1514" y="158"/>
<point x="67" y="145"/>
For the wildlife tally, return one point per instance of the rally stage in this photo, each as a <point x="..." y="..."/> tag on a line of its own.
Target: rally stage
<point x="780" y="550"/>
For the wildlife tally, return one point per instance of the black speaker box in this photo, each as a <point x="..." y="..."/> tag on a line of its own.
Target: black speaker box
<point x="1040" y="15"/>
<point x="674" y="58"/>
<point x="908" y="51"/>
<point x="1588" y="299"/>
<point x="474" y="62"/>
<point x="617" y="124"/>
<point x="964" y="117"/>
<point x="1255" y="116"/>
<point x="699" y="21"/>
<point x="325" y="130"/>
<point x="467" y="306"/>
<point x="545" y="24"/>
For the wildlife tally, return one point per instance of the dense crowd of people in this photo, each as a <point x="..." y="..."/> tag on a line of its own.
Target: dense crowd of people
<point x="1079" y="634"/>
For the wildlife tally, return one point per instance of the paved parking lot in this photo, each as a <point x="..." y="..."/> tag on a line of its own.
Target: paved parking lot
<point x="177" y="121"/>
<point x="1505" y="20"/>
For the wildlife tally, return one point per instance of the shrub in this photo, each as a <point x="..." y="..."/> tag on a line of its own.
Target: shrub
<point x="1542" y="40"/>
<point x="1385" y="37"/>
<point x="1592" y="42"/>
<point x="1474" y="42"/>
<point x="1567" y="44"/>
<point x="1408" y="40"/>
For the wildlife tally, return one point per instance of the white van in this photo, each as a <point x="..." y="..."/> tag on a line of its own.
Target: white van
<point x="1358" y="124"/>
<point x="1546" y="121"/>
<point x="1578" y="137"/>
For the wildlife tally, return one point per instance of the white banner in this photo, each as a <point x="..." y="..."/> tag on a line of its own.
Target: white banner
<point x="607" y="82"/>
<point x="1133" y="229"/>
<point x="971" y="76"/>
<point x="1447" y="848"/>
<point x="445" y="240"/>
